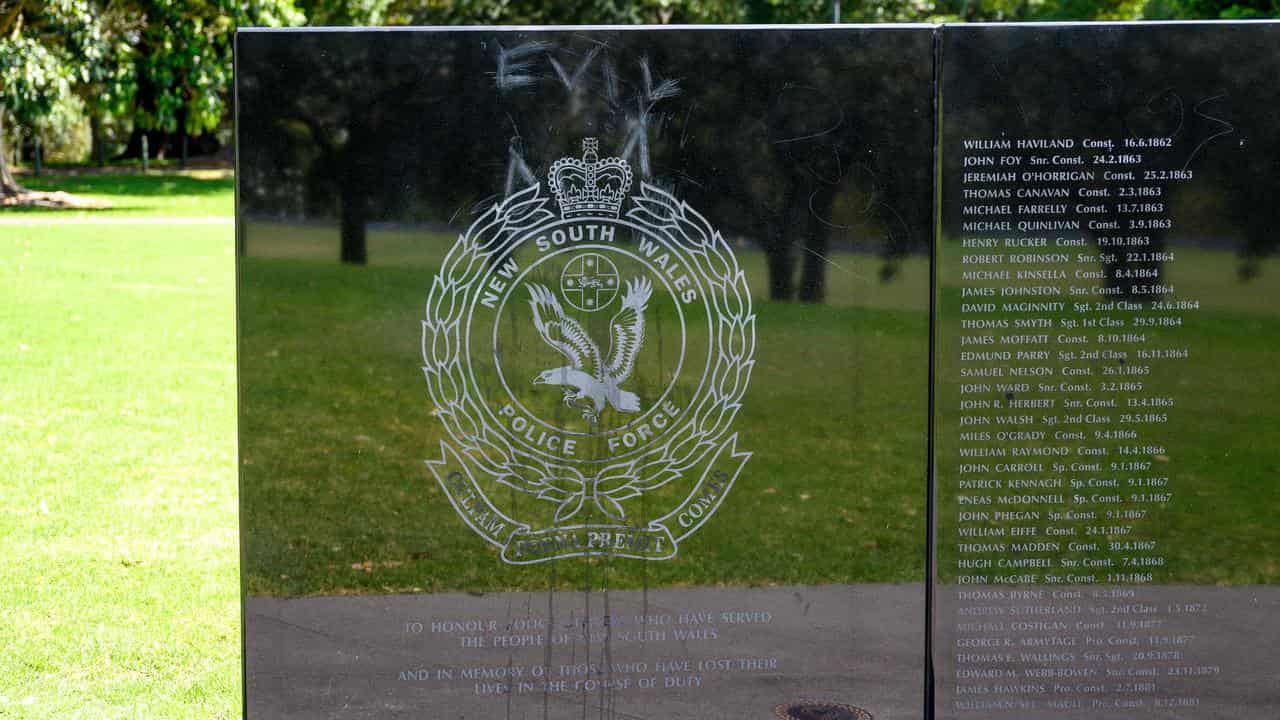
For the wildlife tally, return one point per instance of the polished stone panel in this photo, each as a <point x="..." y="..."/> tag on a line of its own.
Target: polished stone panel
<point x="1105" y="387"/>
<point x="588" y="372"/>
<point x="584" y="373"/>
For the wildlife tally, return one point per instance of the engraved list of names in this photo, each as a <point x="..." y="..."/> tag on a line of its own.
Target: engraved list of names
<point x="1060" y="352"/>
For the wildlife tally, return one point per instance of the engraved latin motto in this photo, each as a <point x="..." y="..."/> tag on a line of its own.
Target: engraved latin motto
<point x="587" y="367"/>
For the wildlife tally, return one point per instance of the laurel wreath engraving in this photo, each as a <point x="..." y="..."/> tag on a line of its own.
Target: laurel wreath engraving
<point x="443" y="335"/>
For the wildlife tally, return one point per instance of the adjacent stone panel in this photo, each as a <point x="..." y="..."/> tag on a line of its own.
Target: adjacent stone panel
<point x="1103" y="387"/>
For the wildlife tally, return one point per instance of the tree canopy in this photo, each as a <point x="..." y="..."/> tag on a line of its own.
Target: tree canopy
<point x="155" y="64"/>
<point x="163" y="67"/>
<point x="45" y="49"/>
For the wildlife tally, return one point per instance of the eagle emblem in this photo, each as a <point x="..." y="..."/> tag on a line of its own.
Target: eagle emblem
<point x="592" y="380"/>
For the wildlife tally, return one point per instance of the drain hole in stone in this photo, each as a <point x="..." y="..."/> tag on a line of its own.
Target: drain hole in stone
<point x="820" y="711"/>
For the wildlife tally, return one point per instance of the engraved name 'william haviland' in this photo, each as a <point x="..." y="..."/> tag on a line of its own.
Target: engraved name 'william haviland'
<point x="587" y="366"/>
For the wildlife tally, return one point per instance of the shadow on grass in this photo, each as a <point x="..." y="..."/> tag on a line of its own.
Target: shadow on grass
<point x="206" y="192"/>
<point x="157" y="185"/>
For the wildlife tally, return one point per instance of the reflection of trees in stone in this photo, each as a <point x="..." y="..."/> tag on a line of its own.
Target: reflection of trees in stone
<point x="813" y="139"/>
<point x="791" y="140"/>
<point x="1212" y="92"/>
<point x="342" y="129"/>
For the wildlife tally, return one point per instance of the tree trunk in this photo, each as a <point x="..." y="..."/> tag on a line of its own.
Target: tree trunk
<point x="354" y="209"/>
<point x="813" y="272"/>
<point x="781" y="264"/>
<point x="777" y="249"/>
<point x="156" y="141"/>
<point x="8" y="186"/>
<point x="99" y="147"/>
<point x="182" y="138"/>
<point x="133" y="147"/>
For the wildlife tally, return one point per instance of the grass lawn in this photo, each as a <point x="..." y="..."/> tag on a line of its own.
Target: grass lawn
<point x="118" y="423"/>
<point x="117" y="445"/>
<point x="337" y="499"/>
<point x="117" y="448"/>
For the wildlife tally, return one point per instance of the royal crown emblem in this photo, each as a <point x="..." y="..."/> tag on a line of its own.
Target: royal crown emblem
<point x="587" y="368"/>
<point x="590" y="186"/>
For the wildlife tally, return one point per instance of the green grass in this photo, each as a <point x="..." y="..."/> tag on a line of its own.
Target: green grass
<point x="195" y="193"/>
<point x="117" y="431"/>
<point x="834" y="497"/>
<point x="337" y="499"/>
<point x="119" y="585"/>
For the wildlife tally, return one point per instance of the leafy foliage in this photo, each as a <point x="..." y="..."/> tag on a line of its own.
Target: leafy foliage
<point x="166" y="65"/>
<point x="45" y="47"/>
<point x="163" y="64"/>
<point x="183" y="56"/>
<point x="32" y="77"/>
<point x="1211" y="9"/>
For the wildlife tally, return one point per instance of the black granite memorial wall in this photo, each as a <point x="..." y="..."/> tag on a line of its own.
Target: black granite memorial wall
<point x="1106" y="334"/>
<point x="583" y="373"/>
<point x="815" y="372"/>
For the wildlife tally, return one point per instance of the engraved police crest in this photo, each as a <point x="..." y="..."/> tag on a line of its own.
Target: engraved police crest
<point x="587" y="358"/>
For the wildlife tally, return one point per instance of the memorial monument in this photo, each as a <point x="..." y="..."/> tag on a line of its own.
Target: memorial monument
<point x="888" y="372"/>
<point x="1104" y="323"/>
<point x="569" y="380"/>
